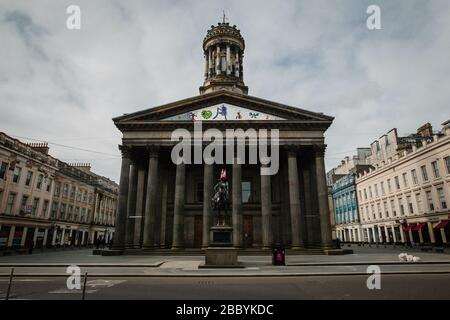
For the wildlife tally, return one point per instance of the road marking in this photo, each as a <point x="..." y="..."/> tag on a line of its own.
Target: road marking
<point x="67" y="291"/>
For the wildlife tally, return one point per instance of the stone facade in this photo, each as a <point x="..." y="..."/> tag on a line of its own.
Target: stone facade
<point x="49" y="202"/>
<point x="168" y="205"/>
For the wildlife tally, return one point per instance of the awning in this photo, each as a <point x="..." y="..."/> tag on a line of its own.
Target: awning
<point x="409" y="227"/>
<point x="441" y="224"/>
<point x="419" y="226"/>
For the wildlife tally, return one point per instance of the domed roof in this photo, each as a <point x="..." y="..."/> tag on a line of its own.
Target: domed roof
<point x="224" y="30"/>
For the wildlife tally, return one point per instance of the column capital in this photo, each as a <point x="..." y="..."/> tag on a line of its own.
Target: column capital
<point x="292" y="150"/>
<point x="319" y="149"/>
<point x="153" y="151"/>
<point x="125" y="151"/>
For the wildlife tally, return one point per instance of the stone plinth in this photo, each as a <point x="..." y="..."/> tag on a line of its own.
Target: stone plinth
<point x="221" y="257"/>
<point x="221" y="236"/>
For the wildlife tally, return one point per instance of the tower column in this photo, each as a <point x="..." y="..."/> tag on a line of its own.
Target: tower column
<point x="178" y="214"/>
<point x="236" y="64"/>
<point x="218" y="59"/>
<point x="207" y="196"/>
<point x="228" y="59"/>
<point x="121" y="216"/>
<point x="210" y="63"/>
<point x="294" y="198"/>
<point x="150" y="202"/>
<point x="237" y="203"/>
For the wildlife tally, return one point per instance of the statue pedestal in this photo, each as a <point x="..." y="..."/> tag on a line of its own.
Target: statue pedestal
<point x="221" y="253"/>
<point x="221" y="236"/>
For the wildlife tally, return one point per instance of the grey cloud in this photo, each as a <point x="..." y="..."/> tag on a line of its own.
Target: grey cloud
<point x="131" y="55"/>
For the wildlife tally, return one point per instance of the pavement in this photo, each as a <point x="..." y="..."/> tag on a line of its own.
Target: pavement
<point x="54" y="263"/>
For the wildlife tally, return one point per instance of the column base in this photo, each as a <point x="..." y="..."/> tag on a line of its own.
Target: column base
<point x="299" y="247"/>
<point x="177" y="248"/>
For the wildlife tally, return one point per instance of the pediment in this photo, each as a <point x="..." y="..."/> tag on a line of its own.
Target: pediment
<point x="223" y="112"/>
<point x="222" y="106"/>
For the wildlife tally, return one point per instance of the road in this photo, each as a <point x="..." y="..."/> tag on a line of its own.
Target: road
<point x="402" y="286"/>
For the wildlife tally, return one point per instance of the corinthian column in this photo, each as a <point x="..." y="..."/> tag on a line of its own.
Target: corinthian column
<point x="131" y="205"/>
<point x="178" y="214"/>
<point x="322" y="194"/>
<point x="150" y="202"/>
<point x="121" y="216"/>
<point x="237" y="203"/>
<point x="207" y="195"/>
<point x="294" y="199"/>
<point x="266" y="212"/>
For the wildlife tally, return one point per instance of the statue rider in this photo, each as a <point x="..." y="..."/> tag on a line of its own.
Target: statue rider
<point x="221" y="198"/>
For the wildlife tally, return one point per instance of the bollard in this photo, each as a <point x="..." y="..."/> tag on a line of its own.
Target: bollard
<point x="8" y="291"/>
<point x="84" y="287"/>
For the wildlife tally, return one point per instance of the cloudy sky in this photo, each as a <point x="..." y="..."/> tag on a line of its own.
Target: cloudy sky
<point x="64" y="86"/>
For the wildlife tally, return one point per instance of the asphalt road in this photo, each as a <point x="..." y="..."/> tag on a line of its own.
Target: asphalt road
<point x="426" y="286"/>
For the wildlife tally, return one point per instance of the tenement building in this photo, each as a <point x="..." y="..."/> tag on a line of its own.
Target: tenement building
<point x="165" y="202"/>
<point x="405" y="197"/>
<point x="49" y="203"/>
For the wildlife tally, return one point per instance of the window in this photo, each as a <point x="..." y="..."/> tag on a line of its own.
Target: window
<point x="414" y="176"/>
<point x="70" y="211"/>
<point x="370" y="192"/>
<point x="424" y="173"/>
<point x="10" y="203"/>
<point x="39" y="181"/>
<point x="23" y="203"/>
<point x="367" y="213"/>
<point x="66" y="190"/>
<point x="405" y="180"/>
<point x="3" y="167"/>
<point x="62" y="211"/>
<point x="382" y="188"/>
<point x="430" y="200"/>
<point x="410" y="204"/>
<point x="419" y="203"/>
<point x="77" y="212"/>
<point x="400" y="205"/>
<point x="16" y="176"/>
<point x="29" y="177"/>
<point x="365" y="194"/>
<point x="394" y="212"/>
<point x="376" y="190"/>
<point x="442" y="198"/>
<point x="379" y="211"/>
<point x="389" y="185"/>
<point x="199" y="192"/>
<point x="72" y="192"/>
<point x="373" y="212"/>
<point x="45" y="208"/>
<point x="386" y="211"/>
<point x="435" y="167"/>
<point x="35" y="206"/>
<point x="83" y="214"/>
<point x="54" y="209"/>
<point x="49" y="185"/>
<point x="246" y="191"/>
<point x="447" y="164"/>
<point x="57" y="189"/>
<point x="360" y="195"/>
<point x="85" y="196"/>
<point x="397" y="182"/>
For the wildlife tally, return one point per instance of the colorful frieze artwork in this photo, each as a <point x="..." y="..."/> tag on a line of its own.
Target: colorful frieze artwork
<point x="223" y="112"/>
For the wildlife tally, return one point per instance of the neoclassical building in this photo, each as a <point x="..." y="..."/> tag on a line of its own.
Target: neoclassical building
<point x="167" y="204"/>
